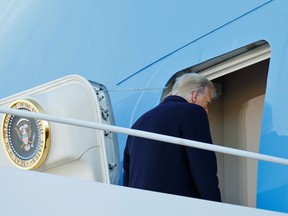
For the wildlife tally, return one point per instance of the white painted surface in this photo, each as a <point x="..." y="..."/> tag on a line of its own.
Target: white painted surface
<point x="33" y="193"/>
<point x="72" y="148"/>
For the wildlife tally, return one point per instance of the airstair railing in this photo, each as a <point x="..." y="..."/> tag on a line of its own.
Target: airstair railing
<point x="144" y="134"/>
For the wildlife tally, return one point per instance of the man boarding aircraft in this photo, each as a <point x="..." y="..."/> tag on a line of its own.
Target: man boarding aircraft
<point x="126" y="57"/>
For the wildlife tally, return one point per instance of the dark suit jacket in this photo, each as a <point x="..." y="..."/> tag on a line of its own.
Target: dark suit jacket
<point x="170" y="168"/>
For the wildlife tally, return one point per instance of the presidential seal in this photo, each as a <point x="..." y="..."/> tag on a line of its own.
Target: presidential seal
<point x="26" y="141"/>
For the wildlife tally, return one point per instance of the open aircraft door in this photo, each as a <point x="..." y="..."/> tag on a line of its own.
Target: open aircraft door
<point x="57" y="148"/>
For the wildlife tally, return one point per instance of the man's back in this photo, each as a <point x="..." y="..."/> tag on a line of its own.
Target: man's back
<point x="170" y="168"/>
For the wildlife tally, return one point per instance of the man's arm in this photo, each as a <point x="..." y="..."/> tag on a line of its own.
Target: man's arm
<point x="203" y="164"/>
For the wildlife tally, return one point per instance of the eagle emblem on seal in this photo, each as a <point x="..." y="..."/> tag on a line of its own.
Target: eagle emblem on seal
<point x="24" y="132"/>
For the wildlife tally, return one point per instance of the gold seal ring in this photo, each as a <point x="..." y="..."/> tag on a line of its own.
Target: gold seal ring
<point x="26" y="141"/>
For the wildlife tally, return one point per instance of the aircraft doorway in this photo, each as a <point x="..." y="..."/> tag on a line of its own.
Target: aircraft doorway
<point x="235" y="121"/>
<point x="235" y="116"/>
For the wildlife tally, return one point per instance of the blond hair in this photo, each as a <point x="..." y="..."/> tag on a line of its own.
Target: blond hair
<point x="189" y="82"/>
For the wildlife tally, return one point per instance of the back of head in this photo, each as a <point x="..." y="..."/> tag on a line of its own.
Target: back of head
<point x="189" y="82"/>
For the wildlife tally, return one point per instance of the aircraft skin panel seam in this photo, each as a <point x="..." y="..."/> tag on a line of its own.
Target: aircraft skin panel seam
<point x="187" y="44"/>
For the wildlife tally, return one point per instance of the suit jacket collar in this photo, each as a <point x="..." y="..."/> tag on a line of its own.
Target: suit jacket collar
<point x="174" y="98"/>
